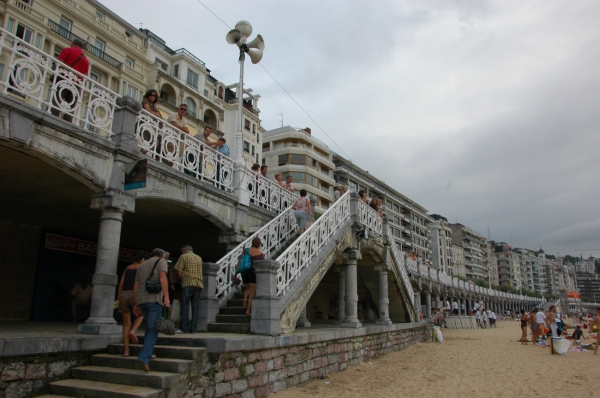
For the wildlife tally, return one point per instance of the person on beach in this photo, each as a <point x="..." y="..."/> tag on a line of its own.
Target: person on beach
<point x="535" y="327"/>
<point x="454" y="308"/>
<point x="540" y="319"/>
<point x="597" y="324"/>
<point x="524" y="320"/>
<point x="551" y="321"/>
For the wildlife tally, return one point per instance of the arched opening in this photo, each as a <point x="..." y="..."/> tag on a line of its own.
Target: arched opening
<point x="191" y="106"/>
<point x="168" y="95"/>
<point x="210" y="118"/>
<point x="221" y="92"/>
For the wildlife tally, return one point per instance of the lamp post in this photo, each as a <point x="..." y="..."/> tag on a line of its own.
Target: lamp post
<point x="254" y="49"/>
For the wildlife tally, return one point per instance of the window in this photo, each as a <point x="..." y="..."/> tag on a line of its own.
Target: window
<point x="10" y="25"/>
<point x="176" y="70"/>
<point x="283" y="160"/>
<point x="38" y="40"/>
<point x="129" y="62"/>
<point x="353" y="186"/>
<point x="396" y="208"/>
<point x="220" y="92"/>
<point x="298" y="159"/>
<point x="95" y="76"/>
<point x="192" y="78"/>
<point x="99" y="15"/>
<point x="99" y="44"/>
<point x="24" y="33"/>
<point x="246" y="146"/>
<point x="65" y="24"/>
<point x="253" y="128"/>
<point x="128" y="34"/>
<point x="296" y="177"/>
<point x="247" y="124"/>
<point x="191" y="106"/>
<point x="397" y="220"/>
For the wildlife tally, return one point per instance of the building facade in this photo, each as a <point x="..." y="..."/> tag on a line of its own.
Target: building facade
<point x="292" y="151"/>
<point x="441" y="244"/>
<point x="475" y="251"/>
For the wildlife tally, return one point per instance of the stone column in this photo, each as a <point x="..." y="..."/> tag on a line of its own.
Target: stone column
<point x="428" y="304"/>
<point x="418" y="303"/>
<point x="384" y="302"/>
<point x="341" y="271"/>
<point x="351" y="297"/>
<point x="302" y="321"/>
<point x="265" y="305"/>
<point x="112" y="206"/>
<point x="209" y="303"/>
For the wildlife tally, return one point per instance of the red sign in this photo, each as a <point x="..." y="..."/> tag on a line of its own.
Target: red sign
<point x="72" y="245"/>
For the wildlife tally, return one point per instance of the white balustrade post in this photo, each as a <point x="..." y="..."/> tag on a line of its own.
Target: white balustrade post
<point x="302" y="321"/>
<point x="351" y="258"/>
<point x="209" y="303"/>
<point x="428" y="304"/>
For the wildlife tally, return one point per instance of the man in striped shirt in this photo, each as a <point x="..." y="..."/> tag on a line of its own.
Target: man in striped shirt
<point x="189" y="269"/>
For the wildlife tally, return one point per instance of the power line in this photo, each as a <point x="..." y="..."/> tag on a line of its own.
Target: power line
<point x="283" y="88"/>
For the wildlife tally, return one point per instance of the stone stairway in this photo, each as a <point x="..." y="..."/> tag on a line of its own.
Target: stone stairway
<point x="232" y="318"/>
<point x="112" y="375"/>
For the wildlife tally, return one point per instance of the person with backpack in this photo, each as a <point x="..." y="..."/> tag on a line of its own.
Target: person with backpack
<point x="246" y="269"/>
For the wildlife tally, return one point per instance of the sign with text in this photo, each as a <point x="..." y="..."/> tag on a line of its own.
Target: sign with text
<point x="78" y="246"/>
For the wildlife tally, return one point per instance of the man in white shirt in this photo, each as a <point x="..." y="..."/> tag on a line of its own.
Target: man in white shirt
<point x="447" y="307"/>
<point x="493" y="319"/>
<point x="540" y="319"/>
<point x="455" y="308"/>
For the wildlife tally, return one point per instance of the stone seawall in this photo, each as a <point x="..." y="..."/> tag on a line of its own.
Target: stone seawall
<point x="28" y="376"/>
<point x="259" y="373"/>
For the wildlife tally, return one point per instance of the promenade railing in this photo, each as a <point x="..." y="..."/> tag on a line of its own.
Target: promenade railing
<point x="48" y="84"/>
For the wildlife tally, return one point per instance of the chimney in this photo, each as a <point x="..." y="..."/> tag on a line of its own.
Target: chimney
<point x="307" y="130"/>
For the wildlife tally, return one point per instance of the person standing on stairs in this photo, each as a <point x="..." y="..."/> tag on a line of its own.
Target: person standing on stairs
<point x="126" y="301"/>
<point x="189" y="269"/>
<point x="150" y="304"/>
<point x="249" y="277"/>
<point x="303" y="210"/>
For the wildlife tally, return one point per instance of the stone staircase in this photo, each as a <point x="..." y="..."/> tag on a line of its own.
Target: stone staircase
<point x="232" y="318"/>
<point x="112" y="375"/>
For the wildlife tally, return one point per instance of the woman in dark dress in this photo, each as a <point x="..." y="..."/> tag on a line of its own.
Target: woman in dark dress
<point x="126" y="302"/>
<point x="249" y="277"/>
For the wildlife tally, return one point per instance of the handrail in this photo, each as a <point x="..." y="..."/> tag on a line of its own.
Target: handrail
<point x="370" y="218"/>
<point x="267" y="193"/>
<point x="32" y="74"/>
<point x="272" y="235"/>
<point x="164" y="142"/>
<point x="293" y="260"/>
<point x="401" y="267"/>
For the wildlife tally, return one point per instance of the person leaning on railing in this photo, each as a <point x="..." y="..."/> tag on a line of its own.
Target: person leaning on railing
<point x="75" y="58"/>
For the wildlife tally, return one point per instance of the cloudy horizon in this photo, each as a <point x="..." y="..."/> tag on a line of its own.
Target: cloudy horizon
<point x="484" y="112"/>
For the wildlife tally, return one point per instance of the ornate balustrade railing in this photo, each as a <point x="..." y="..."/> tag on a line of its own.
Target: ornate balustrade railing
<point x="164" y="142"/>
<point x="370" y="219"/>
<point x="272" y="236"/>
<point x="433" y="274"/>
<point x="423" y="271"/>
<point x="412" y="265"/>
<point x="293" y="260"/>
<point x="48" y="84"/>
<point x="267" y="193"/>
<point x="399" y="259"/>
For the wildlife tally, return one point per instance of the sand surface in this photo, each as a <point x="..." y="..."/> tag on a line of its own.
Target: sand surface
<point x="472" y="363"/>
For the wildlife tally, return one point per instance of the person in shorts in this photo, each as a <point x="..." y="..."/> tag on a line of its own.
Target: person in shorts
<point x="127" y="301"/>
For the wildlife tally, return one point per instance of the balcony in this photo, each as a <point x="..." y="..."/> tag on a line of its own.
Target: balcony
<point x="249" y="107"/>
<point x="26" y="8"/>
<point x="96" y="52"/>
<point x="189" y="54"/>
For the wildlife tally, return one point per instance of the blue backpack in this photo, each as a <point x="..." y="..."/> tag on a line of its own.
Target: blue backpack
<point x="245" y="262"/>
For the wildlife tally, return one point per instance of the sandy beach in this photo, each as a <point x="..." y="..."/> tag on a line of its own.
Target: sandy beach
<point x="473" y="363"/>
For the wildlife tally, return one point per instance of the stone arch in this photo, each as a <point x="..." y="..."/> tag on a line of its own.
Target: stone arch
<point x="168" y="94"/>
<point x="192" y="108"/>
<point x="210" y="118"/>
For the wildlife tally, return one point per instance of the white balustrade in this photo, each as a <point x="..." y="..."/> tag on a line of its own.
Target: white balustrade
<point x="48" y="84"/>
<point x="164" y="142"/>
<point x="293" y="260"/>
<point x="433" y="274"/>
<point x="412" y="265"/>
<point x="423" y="271"/>
<point x="272" y="235"/>
<point x="267" y="193"/>
<point x="370" y="219"/>
<point x="399" y="258"/>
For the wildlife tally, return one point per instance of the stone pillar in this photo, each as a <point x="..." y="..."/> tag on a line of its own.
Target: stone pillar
<point x="351" y="296"/>
<point x="341" y="271"/>
<point x="265" y="305"/>
<point x="302" y="321"/>
<point x="418" y="303"/>
<point x="384" y="302"/>
<point x="112" y="206"/>
<point x="209" y="303"/>
<point x="437" y="301"/>
<point x="428" y="304"/>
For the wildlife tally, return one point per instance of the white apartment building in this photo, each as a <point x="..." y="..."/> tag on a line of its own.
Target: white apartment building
<point x="458" y="258"/>
<point x="475" y="251"/>
<point x="182" y="78"/>
<point x="492" y="264"/>
<point x="409" y="221"/>
<point x="293" y="151"/>
<point x="115" y="49"/>
<point x="441" y="244"/>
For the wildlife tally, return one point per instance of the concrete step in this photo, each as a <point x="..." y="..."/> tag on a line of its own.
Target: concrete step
<point x="168" y="365"/>
<point x="96" y="389"/>
<point x="235" y="303"/>
<point x="239" y="328"/>
<point x="233" y="318"/>
<point x="162" y="351"/>
<point x="238" y="295"/>
<point x="131" y="377"/>
<point x="232" y="311"/>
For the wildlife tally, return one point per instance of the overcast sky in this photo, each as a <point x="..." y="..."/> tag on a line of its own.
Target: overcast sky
<point x="486" y="112"/>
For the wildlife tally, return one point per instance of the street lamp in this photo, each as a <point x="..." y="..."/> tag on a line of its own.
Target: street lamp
<point x="254" y="49"/>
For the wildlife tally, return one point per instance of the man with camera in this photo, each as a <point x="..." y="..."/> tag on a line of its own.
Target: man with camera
<point x="150" y="288"/>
